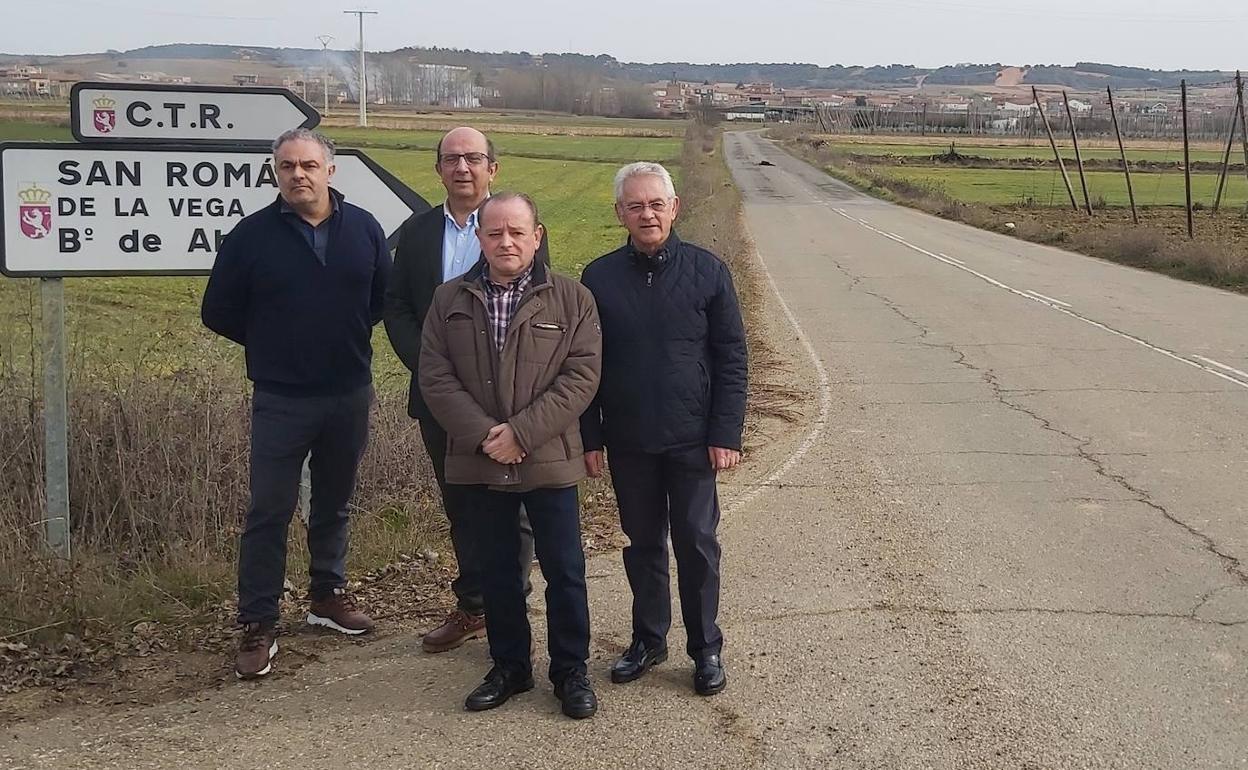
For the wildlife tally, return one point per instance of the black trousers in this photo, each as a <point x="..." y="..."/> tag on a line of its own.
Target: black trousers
<point x="334" y="429"/>
<point x="656" y="492"/>
<point x="456" y="503"/>
<point x="555" y="516"/>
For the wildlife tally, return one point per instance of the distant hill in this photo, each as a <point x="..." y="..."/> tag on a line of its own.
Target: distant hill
<point x="1082" y="76"/>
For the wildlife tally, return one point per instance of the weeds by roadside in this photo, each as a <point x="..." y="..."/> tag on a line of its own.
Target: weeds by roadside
<point x="712" y="217"/>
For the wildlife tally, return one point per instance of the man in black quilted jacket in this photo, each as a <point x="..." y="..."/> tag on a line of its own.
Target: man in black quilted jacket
<point x="670" y="410"/>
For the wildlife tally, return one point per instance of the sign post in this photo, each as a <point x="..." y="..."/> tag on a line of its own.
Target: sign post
<point x="161" y="175"/>
<point x="55" y="416"/>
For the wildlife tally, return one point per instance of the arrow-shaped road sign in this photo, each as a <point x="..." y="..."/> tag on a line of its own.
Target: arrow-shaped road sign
<point x="77" y="210"/>
<point x="130" y="112"/>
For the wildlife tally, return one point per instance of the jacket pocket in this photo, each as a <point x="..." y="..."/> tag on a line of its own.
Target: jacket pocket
<point x="704" y="381"/>
<point x="461" y="334"/>
<point x="542" y="341"/>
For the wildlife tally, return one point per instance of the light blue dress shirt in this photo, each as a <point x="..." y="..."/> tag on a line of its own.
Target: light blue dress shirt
<point x="460" y="247"/>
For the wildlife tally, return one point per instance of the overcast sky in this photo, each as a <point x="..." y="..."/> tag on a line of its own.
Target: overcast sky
<point x="1210" y="34"/>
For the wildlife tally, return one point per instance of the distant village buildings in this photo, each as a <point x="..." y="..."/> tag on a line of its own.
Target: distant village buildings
<point x="402" y="79"/>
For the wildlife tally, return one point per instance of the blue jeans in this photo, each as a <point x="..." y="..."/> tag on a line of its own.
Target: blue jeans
<point x="555" y="517"/>
<point x="284" y="430"/>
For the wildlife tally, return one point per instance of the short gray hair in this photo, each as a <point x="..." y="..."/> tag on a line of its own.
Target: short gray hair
<point x="503" y="197"/>
<point x="643" y="168"/>
<point x="295" y="134"/>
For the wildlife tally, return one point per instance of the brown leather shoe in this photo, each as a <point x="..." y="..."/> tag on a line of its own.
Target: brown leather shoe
<point x="458" y="628"/>
<point x="338" y="611"/>
<point x="255" y="651"/>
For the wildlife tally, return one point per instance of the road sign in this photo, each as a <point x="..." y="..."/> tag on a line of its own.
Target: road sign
<point x="75" y="210"/>
<point x="129" y="112"/>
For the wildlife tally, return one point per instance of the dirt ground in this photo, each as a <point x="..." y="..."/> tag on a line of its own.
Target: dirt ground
<point x="159" y="664"/>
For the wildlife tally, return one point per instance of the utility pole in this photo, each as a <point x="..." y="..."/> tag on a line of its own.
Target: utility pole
<point x="363" y="78"/>
<point x="1135" y="217"/>
<point x="1225" y="170"/>
<point x="1053" y="143"/>
<point x="324" y="41"/>
<point x="1187" y="161"/>
<point x="1243" y="121"/>
<point x="1074" y="136"/>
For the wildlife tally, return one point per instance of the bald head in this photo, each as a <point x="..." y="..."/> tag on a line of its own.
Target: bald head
<point x="469" y="134"/>
<point x="465" y="162"/>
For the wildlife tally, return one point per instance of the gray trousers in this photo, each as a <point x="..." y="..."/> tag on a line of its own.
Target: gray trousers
<point x="284" y="430"/>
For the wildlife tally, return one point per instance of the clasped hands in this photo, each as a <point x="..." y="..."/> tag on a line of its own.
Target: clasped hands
<point x="501" y="445"/>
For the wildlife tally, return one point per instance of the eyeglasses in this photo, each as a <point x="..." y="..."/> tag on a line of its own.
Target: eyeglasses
<point x="471" y="158"/>
<point x="658" y="207"/>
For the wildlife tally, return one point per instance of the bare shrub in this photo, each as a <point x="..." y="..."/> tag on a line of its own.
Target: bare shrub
<point x="1038" y="232"/>
<point x="1132" y="245"/>
<point x="1218" y="261"/>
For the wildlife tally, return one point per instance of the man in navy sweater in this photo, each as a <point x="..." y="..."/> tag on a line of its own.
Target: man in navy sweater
<point x="299" y="284"/>
<point x="670" y="412"/>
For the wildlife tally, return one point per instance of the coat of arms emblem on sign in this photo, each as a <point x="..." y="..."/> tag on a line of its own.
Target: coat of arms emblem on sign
<point x="35" y="212"/>
<point x="105" y="115"/>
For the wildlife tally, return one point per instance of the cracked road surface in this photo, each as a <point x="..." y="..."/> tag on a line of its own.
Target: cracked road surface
<point x="1009" y="532"/>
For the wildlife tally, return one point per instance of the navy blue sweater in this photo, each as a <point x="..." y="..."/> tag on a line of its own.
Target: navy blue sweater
<point x="673" y="351"/>
<point x="306" y="327"/>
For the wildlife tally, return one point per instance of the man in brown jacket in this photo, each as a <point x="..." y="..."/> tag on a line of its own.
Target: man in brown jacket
<point x="510" y="357"/>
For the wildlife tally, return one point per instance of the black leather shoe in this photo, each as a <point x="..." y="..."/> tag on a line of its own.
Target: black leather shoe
<point x="577" y="697"/>
<point x="708" y="676"/>
<point x="635" y="661"/>
<point x="499" y="685"/>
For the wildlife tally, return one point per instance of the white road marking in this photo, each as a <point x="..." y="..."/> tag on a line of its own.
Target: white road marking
<point x="1050" y="299"/>
<point x="1221" y="365"/>
<point x="951" y="259"/>
<point x="1054" y="305"/>
<point x="825" y="404"/>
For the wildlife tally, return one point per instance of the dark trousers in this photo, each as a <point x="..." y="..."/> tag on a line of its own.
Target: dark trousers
<point x="334" y="429"/>
<point x="656" y="492"/>
<point x="455" y="501"/>
<point x="555" y="516"/>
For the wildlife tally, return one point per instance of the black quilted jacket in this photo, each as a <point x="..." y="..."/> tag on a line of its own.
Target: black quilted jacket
<point x="674" y="356"/>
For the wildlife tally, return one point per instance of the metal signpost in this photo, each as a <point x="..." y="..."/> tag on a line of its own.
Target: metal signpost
<point x="154" y="186"/>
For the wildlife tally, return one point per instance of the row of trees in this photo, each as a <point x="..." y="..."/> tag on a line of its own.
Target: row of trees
<point x="573" y="90"/>
<point x="566" y="86"/>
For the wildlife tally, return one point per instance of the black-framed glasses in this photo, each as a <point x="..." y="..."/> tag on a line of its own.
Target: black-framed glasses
<point x="471" y="158"/>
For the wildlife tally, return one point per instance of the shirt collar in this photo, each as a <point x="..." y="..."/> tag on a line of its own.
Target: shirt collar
<point x="285" y="207"/>
<point x="666" y="250"/>
<point x="471" y="222"/>
<point x="517" y="282"/>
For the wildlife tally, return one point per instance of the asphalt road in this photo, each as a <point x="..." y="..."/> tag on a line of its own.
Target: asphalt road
<point x="1010" y="531"/>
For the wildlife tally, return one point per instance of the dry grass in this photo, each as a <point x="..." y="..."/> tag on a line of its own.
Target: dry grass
<point x="713" y="217"/>
<point x="158" y="479"/>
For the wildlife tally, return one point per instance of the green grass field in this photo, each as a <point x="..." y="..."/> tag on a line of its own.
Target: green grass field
<point x="1044" y="186"/>
<point x="605" y="149"/>
<point x="599" y="149"/>
<point x="1172" y="153"/>
<point x="119" y="325"/>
